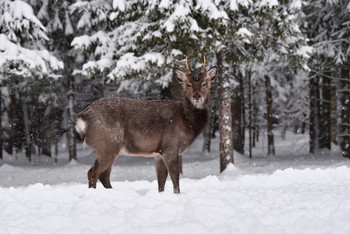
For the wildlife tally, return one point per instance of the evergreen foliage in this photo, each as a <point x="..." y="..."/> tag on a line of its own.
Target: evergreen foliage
<point x="286" y="65"/>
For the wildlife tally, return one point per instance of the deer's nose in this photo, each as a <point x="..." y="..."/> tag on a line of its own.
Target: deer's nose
<point x="197" y="96"/>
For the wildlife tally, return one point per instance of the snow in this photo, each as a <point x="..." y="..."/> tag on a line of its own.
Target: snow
<point x="10" y="51"/>
<point x="305" y="51"/>
<point x="296" y="4"/>
<point x="233" y="5"/>
<point x="21" y="10"/>
<point x="268" y="3"/>
<point x="291" y="193"/>
<point x="245" y="34"/>
<point x="211" y="9"/>
<point x="129" y="62"/>
<point x="182" y="10"/>
<point x="164" y="4"/>
<point x="119" y="4"/>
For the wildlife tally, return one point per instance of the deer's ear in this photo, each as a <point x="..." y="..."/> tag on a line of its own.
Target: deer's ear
<point x="211" y="74"/>
<point x="180" y="75"/>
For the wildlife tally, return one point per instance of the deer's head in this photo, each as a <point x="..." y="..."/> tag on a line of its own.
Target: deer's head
<point x="196" y="85"/>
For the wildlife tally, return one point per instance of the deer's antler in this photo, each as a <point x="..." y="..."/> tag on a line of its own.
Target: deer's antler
<point x="188" y="69"/>
<point x="203" y="69"/>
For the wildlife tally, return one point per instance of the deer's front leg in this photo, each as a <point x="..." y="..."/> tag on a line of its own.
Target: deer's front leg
<point x="172" y="162"/>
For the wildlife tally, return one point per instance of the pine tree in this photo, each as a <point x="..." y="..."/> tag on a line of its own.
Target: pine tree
<point x="278" y="44"/>
<point x="326" y="26"/>
<point x="60" y="24"/>
<point x="24" y="62"/>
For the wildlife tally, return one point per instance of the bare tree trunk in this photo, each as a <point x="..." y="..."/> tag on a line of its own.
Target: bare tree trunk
<point x="314" y="114"/>
<point x="325" y="120"/>
<point x="225" y="121"/>
<point x="344" y="136"/>
<point x="243" y="115"/>
<point x="269" y="117"/>
<point x="11" y="117"/>
<point x="56" y="129"/>
<point x="46" y="137"/>
<point x="210" y="130"/>
<point x="28" y="142"/>
<point x="255" y="117"/>
<point x="334" y="113"/>
<point x="250" y="114"/>
<point x="237" y="123"/>
<point x="72" y="149"/>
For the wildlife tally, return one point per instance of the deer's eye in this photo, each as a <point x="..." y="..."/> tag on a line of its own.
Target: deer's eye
<point x="189" y="85"/>
<point x="204" y="84"/>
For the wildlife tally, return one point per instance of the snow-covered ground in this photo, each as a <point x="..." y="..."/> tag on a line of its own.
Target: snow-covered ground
<point x="293" y="192"/>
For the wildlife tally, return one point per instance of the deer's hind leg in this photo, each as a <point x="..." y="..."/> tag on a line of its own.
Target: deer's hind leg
<point x="105" y="176"/>
<point x="102" y="169"/>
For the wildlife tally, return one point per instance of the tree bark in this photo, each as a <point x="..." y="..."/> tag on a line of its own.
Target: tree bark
<point x="236" y="107"/>
<point x="269" y="117"/>
<point x="210" y="130"/>
<point x="344" y="136"/>
<point x="255" y="120"/>
<point x="225" y="121"/>
<point x="46" y="135"/>
<point x="314" y="114"/>
<point x="325" y="120"/>
<point x="11" y="117"/>
<point x="250" y="115"/>
<point x="334" y="113"/>
<point x="28" y="142"/>
<point x="72" y="149"/>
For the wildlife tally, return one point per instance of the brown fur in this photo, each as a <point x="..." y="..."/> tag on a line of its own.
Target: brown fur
<point x="160" y="129"/>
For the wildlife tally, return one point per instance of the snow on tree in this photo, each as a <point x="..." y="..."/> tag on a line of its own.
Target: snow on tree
<point x="24" y="60"/>
<point x="60" y="22"/>
<point x="326" y="24"/>
<point x="21" y="49"/>
<point x="278" y="45"/>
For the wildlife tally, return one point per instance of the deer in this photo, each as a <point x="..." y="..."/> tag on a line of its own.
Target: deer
<point x="161" y="129"/>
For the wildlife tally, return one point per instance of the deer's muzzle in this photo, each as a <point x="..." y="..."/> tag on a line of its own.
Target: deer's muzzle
<point x="197" y="96"/>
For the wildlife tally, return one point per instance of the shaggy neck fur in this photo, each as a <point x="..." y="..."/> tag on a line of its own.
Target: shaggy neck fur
<point x="197" y="118"/>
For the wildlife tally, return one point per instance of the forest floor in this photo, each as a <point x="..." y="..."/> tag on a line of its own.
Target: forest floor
<point x="292" y="192"/>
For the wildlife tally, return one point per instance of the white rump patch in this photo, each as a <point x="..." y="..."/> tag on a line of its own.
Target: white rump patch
<point x="80" y="127"/>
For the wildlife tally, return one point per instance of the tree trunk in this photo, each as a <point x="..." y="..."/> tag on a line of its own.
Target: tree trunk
<point x="314" y="114"/>
<point x="46" y="134"/>
<point x="236" y="108"/>
<point x="225" y="121"/>
<point x="72" y="149"/>
<point x="11" y="118"/>
<point x="269" y="117"/>
<point x="334" y="113"/>
<point x="243" y="123"/>
<point x="344" y="136"/>
<point x="26" y="123"/>
<point x="256" y="123"/>
<point x="250" y="114"/>
<point x="325" y="120"/>
<point x="210" y="130"/>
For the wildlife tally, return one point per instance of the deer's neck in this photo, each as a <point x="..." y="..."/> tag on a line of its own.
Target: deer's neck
<point x="196" y="118"/>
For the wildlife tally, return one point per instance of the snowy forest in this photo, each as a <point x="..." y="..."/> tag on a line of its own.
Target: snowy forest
<point x="285" y="63"/>
<point x="274" y="157"/>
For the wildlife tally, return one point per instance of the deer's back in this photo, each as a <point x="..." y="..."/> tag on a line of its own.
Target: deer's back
<point x="139" y="126"/>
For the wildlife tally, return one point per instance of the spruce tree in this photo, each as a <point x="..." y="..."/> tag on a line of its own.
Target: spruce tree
<point x="24" y="64"/>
